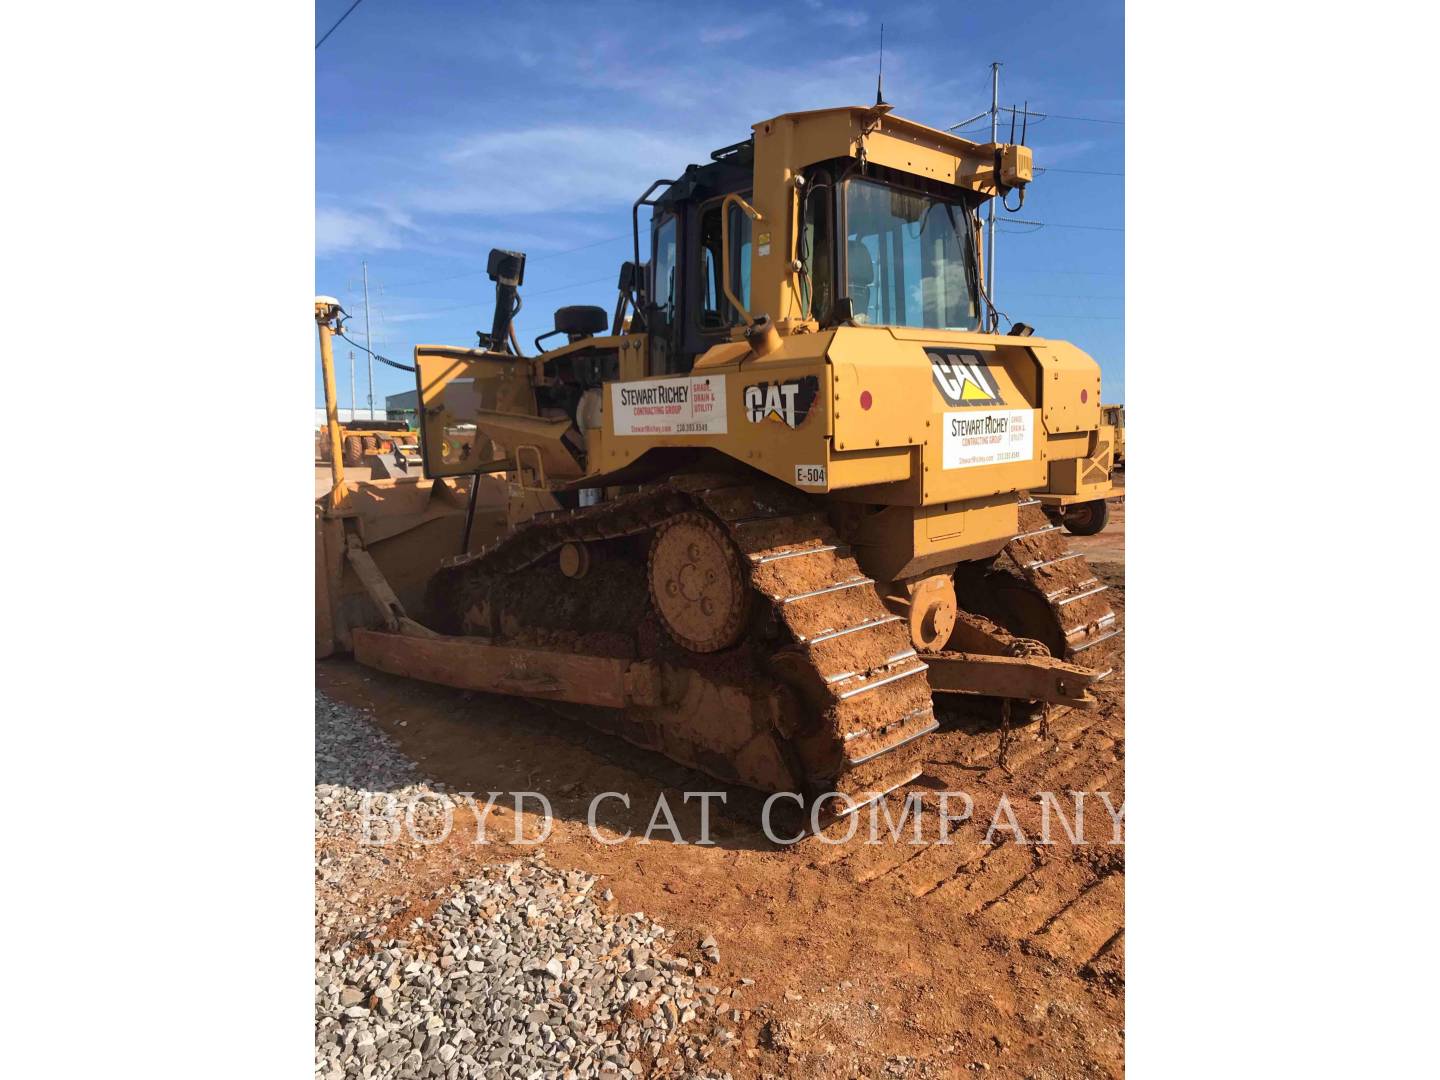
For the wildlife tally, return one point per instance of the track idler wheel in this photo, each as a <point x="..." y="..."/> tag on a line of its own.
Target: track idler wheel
<point x="928" y="606"/>
<point x="698" y="583"/>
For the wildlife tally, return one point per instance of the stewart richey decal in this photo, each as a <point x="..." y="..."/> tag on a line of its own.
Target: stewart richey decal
<point x="785" y="403"/>
<point x="963" y="378"/>
<point x="692" y="405"/>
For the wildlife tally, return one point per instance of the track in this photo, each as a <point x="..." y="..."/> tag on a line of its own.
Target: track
<point x="823" y="690"/>
<point x="1040" y="589"/>
<point x="826" y="673"/>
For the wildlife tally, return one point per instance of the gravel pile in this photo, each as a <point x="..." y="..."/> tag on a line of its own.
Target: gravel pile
<point x="352" y="757"/>
<point x="355" y="760"/>
<point x="519" y="972"/>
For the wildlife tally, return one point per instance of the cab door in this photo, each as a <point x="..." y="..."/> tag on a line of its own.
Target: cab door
<point x="664" y="299"/>
<point x="711" y="318"/>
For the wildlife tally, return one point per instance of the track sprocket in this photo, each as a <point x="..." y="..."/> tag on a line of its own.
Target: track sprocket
<point x="697" y="583"/>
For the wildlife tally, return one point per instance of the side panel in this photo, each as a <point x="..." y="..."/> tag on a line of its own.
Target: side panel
<point x="1086" y="477"/>
<point x="771" y="414"/>
<point x="968" y="401"/>
<point x="454" y="386"/>
<point x="1069" y="387"/>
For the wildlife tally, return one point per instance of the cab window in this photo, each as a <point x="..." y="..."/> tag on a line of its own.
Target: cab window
<point x="909" y="258"/>
<point x="663" y="268"/>
<point x="716" y="311"/>
<point x="817" y="290"/>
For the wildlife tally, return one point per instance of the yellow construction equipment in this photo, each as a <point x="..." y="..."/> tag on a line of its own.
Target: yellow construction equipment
<point x="1114" y="415"/>
<point x="1079" y="500"/>
<point x="379" y="540"/>
<point x="360" y="438"/>
<point x="788" y="497"/>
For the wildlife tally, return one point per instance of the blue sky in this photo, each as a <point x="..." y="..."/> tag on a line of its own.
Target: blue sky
<point x="446" y="128"/>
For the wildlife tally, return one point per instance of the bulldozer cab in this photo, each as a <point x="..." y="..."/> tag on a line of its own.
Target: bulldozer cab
<point x="884" y="231"/>
<point x="685" y="310"/>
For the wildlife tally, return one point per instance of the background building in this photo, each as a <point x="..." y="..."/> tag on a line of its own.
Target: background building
<point x="397" y="407"/>
<point x="401" y="406"/>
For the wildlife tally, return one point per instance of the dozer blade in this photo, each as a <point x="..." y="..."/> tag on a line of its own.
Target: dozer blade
<point x="468" y="663"/>
<point x="379" y="549"/>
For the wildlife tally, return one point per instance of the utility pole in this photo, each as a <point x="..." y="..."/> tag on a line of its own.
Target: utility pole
<point x="352" y="384"/>
<point x="327" y="318"/>
<point x="994" y="134"/>
<point x="365" y="277"/>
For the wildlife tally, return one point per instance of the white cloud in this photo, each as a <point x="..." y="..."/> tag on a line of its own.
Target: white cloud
<point x="1053" y="153"/>
<point x="458" y="177"/>
<point x="716" y="35"/>
<point x="419" y="316"/>
<point x="829" y="16"/>
<point x="851" y="19"/>
<point x="543" y="169"/>
<point x="338" y="230"/>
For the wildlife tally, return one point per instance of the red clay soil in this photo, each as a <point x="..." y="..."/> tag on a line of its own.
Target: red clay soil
<point x="937" y="959"/>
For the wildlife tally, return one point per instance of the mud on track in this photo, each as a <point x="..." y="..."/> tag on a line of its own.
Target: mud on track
<point x="1010" y="955"/>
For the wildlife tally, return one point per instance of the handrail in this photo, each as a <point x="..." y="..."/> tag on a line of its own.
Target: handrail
<point x="644" y="200"/>
<point x="539" y="468"/>
<point x="725" y="248"/>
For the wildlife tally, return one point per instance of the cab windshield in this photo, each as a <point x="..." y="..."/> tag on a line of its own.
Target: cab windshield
<point x="909" y="258"/>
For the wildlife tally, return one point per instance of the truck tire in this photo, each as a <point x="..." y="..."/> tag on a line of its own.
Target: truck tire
<point x="1088" y="518"/>
<point x="354" y="450"/>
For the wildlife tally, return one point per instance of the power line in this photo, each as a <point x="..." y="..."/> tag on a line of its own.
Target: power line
<point x="1070" y="296"/>
<point x="536" y="258"/>
<point x="1060" y="225"/>
<point x="1054" y="315"/>
<point x="1071" y="273"/>
<point x="527" y="296"/>
<point x="1037" y="116"/>
<point x="1083" y="172"/>
<point x="407" y="367"/>
<point x="1034" y="117"/>
<point x="338" y="21"/>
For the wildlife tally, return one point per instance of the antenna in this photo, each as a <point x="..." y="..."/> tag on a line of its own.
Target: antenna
<point x="1024" y="124"/>
<point x="880" y="78"/>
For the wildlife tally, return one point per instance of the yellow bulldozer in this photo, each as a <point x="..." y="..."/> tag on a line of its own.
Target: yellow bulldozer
<point x="775" y="508"/>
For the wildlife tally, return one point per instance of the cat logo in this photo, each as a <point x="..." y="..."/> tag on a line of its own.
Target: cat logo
<point x="963" y="378"/>
<point x="785" y="403"/>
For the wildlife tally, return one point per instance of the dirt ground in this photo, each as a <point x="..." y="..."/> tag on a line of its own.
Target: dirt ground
<point x="948" y="958"/>
<point x="1108" y="545"/>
